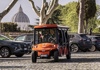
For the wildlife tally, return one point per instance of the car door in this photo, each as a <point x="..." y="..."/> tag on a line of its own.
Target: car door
<point x="20" y="38"/>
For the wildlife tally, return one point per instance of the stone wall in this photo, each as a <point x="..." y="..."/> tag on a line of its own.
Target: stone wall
<point x="14" y="34"/>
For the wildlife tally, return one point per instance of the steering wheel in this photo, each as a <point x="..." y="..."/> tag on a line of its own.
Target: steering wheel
<point x="51" y="39"/>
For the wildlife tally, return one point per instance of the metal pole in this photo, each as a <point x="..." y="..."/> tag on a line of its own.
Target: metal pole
<point x="0" y="27"/>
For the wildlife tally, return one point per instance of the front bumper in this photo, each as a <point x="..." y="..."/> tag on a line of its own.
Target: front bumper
<point x="85" y="46"/>
<point x="22" y="51"/>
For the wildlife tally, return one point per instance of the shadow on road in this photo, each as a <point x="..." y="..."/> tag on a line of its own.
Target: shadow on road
<point x="15" y="58"/>
<point x="75" y="60"/>
<point x="7" y="67"/>
<point x="78" y="60"/>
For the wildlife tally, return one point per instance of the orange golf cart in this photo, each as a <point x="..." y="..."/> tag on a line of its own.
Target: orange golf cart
<point x="50" y="40"/>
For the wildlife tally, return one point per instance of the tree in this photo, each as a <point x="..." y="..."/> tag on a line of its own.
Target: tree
<point x="9" y="27"/>
<point x="90" y="6"/>
<point x="81" y="18"/>
<point x="89" y="9"/>
<point x="68" y="16"/>
<point x="54" y="19"/>
<point x="46" y="11"/>
<point x="2" y="14"/>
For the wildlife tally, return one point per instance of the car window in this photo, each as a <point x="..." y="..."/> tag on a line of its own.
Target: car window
<point x="3" y="38"/>
<point x="20" y="38"/>
<point x="29" y="38"/>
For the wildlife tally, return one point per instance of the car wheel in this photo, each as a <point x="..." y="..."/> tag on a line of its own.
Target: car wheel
<point x="56" y="56"/>
<point x="93" y="48"/>
<point x="19" y="55"/>
<point x="74" y="48"/>
<point x="34" y="56"/>
<point x="5" y="52"/>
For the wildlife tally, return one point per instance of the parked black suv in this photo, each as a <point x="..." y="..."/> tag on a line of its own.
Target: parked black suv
<point x="9" y="47"/>
<point x="95" y="41"/>
<point x="80" y="42"/>
<point x="26" y="38"/>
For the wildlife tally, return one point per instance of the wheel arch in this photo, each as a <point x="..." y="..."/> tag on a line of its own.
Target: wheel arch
<point x="6" y="47"/>
<point x="52" y="52"/>
<point x="76" y="45"/>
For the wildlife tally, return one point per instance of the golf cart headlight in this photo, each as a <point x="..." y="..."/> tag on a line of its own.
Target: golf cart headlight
<point x="35" y="46"/>
<point x="54" y="45"/>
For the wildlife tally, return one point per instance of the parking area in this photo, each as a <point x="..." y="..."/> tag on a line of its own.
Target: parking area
<point x="81" y="60"/>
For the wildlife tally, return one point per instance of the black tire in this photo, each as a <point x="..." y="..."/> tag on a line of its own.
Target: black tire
<point x="74" y="48"/>
<point x="56" y="56"/>
<point x="85" y="50"/>
<point x="19" y="55"/>
<point x="5" y="52"/>
<point x="34" y="57"/>
<point x="93" y="48"/>
<point x="68" y="56"/>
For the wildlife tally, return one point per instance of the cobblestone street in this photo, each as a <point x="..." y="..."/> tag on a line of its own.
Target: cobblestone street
<point x="79" y="61"/>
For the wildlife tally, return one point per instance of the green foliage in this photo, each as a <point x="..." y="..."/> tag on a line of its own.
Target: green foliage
<point x="96" y="30"/>
<point x="89" y="12"/>
<point x="89" y="9"/>
<point x="90" y="6"/>
<point x="92" y="23"/>
<point x="55" y="17"/>
<point x="69" y="16"/>
<point x="10" y="27"/>
<point x="98" y="11"/>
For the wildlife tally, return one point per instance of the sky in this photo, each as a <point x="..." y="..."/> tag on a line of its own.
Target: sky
<point x="27" y="8"/>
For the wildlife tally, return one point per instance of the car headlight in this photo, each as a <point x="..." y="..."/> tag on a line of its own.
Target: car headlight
<point x="17" y="46"/>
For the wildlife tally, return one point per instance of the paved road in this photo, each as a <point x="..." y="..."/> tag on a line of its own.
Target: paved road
<point x="79" y="61"/>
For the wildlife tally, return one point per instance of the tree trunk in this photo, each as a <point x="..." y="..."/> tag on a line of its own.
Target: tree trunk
<point x="46" y="10"/>
<point x="86" y="26"/>
<point x="81" y="19"/>
<point x="2" y="14"/>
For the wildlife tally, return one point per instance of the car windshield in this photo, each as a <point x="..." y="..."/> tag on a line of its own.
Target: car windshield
<point x="47" y="35"/>
<point x="84" y="36"/>
<point x="98" y="38"/>
<point x="3" y="37"/>
<point x="20" y="38"/>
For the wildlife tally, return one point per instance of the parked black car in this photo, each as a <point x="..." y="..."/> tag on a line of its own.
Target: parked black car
<point x="95" y="41"/>
<point x="80" y="42"/>
<point x="24" y="38"/>
<point x="9" y="47"/>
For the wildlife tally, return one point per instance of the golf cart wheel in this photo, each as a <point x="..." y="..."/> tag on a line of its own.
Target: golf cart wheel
<point x="5" y="52"/>
<point x="92" y="49"/>
<point x="74" y="48"/>
<point x="68" y="56"/>
<point x="34" y="56"/>
<point x="56" y="56"/>
<point x="19" y="55"/>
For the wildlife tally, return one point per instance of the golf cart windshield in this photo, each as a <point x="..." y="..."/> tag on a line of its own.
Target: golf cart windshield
<point x="45" y="35"/>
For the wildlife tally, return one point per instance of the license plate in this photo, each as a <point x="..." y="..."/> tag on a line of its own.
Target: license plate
<point x="25" y="48"/>
<point x="88" y="40"/>
<point x="44" y="55"/>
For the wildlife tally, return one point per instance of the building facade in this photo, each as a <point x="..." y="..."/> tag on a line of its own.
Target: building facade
<point x="22" y="20"/>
